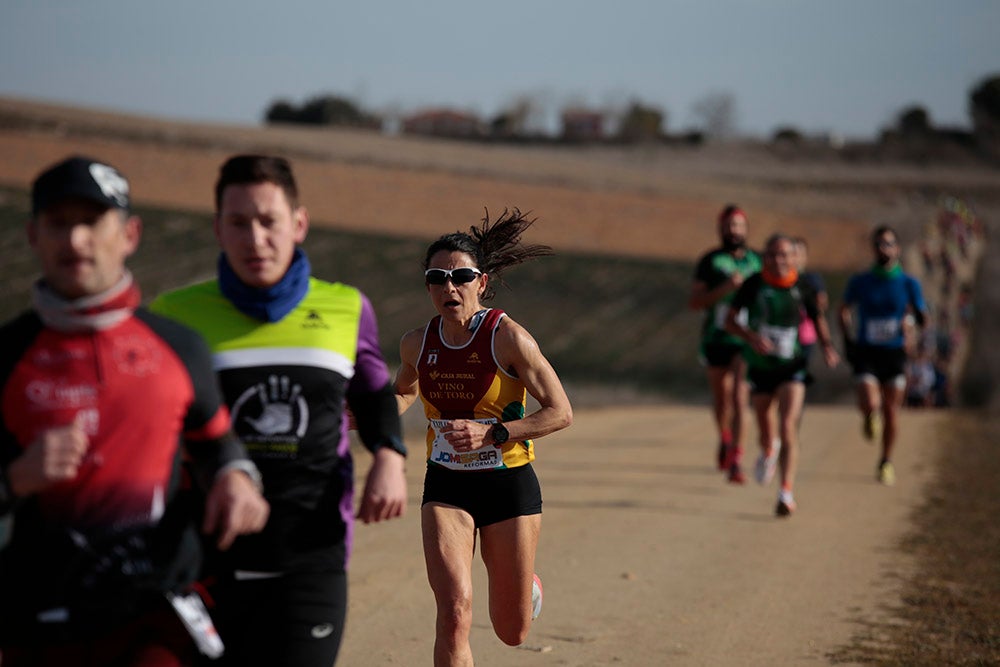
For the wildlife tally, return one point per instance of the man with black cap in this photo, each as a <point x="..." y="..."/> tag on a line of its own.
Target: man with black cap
<point x="97" y="397"/>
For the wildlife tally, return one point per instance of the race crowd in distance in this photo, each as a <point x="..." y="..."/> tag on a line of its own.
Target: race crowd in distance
<point x="765" y="312"/>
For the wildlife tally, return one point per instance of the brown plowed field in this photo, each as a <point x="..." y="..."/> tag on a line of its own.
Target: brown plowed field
<point x="651" y="202"/>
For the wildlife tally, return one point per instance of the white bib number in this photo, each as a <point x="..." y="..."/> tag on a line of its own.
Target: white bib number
<point x="782" y="338"/>
<point x="443" y="453"/>
<point x="882" y="330"/>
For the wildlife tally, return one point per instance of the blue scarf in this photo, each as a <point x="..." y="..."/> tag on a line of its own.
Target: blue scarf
<point x="269" y="304"/>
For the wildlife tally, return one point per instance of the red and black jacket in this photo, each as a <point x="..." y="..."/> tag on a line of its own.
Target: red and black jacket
<point x="106" y="544"/>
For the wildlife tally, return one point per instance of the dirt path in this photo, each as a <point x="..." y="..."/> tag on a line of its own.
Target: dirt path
<point x="649" y="558"/>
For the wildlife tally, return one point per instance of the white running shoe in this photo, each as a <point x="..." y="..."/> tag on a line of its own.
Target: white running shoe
<point x="767" y="464"/>
<point x="536" y="596"/>
<point x="786" y="504"/>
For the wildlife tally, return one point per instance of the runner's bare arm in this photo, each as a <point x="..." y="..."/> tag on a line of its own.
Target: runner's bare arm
<point x="830" y="355"/>
<point x="701" y="297"/>
<point x="407" y="389"/>
<point x="520" y="356"/>
<point x="845" y="320"/>
<point x="759" y="343"/>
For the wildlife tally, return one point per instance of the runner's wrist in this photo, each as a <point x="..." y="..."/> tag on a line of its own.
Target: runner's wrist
<point x="248" y="468"/>
<point x="499" y="433"/>
<point x="389" y="450"/>
<point x="390" y="444"/>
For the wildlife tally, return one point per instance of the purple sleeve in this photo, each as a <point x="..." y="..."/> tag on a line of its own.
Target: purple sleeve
<point x="370" y="372"/>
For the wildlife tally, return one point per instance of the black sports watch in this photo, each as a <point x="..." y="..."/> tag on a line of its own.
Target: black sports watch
<point x="500" y="434"/>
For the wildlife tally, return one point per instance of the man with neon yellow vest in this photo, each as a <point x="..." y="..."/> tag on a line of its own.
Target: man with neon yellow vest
<point x="290" y="352"/>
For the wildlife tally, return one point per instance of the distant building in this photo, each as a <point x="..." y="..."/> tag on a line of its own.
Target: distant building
<point x="582" y="125"/>
<point x="444" y="123"/>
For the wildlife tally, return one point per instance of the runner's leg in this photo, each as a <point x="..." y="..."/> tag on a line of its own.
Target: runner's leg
<point x="449" y="537"/>
<point x="892" y="400"/>
<point x="790" y="400"/>
<point x="509" y="554"/>
<point x="720" y="381"/>
<point x="740" y="402"/>
<point x="766" y="426"/>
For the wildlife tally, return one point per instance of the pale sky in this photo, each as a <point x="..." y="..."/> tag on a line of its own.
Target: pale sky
<point x="847" y="67"/>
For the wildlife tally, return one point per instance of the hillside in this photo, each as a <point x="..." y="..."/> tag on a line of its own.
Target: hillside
<point x="627" y="223"/>
<point x="653" y="202"/>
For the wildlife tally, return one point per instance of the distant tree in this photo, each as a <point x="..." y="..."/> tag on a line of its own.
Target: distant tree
<point x="524" y="117"/>
<point x="321" y="110"/>
<point x="513" y="120"/>
<point x="984" y="101"/>
<point x="914" y="121"/>
<point x="693" y="137"/>
<point x="984" y="107"/>
<point x="787" y="134"/>
<point x="641" y="123"/>
<point x="281" y="111"/>
<point x="331" y="110"/>
<point x="717" y="113"/>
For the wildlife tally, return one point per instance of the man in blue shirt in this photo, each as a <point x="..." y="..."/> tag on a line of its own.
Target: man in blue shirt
<point x="876" y="307"/>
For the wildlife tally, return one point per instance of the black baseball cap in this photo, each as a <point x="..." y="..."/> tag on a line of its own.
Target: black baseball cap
<point x="80" y="176"/>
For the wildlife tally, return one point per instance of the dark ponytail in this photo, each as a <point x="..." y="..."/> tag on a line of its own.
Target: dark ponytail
<point x="494" y="246"/>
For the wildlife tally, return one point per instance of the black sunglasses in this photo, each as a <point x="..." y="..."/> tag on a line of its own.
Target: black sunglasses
<point x="457" y="276"/>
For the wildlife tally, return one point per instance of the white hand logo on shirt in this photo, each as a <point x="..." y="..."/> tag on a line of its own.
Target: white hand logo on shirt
<point x="277" y="400"/>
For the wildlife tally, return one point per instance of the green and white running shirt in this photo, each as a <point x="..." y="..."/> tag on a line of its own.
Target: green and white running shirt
<point x="713" y="269"/>
<point x="775" y="313"/>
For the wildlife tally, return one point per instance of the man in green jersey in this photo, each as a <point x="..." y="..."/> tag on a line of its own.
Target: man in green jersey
<point x="775" y="304"/>
<point x="718" y="275"/>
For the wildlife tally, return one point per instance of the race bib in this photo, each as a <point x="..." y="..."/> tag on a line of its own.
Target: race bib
<point x="782" y="338"/>
<point x="444" y="454"/>
<point x="883" y="330"/>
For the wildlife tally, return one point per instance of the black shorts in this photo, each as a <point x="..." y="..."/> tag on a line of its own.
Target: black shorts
<point x="885" y="364"/>
<point x="767" y="381"/>
<point x="720" y="355"/>
<point x="293" y="619"/>
<point x="490" y="496"/>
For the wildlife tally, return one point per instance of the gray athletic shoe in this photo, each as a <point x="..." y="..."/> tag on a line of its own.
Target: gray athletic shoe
<point x="536" y="596"/>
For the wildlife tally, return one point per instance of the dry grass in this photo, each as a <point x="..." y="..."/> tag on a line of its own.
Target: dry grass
<point x="950" y="610"/>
